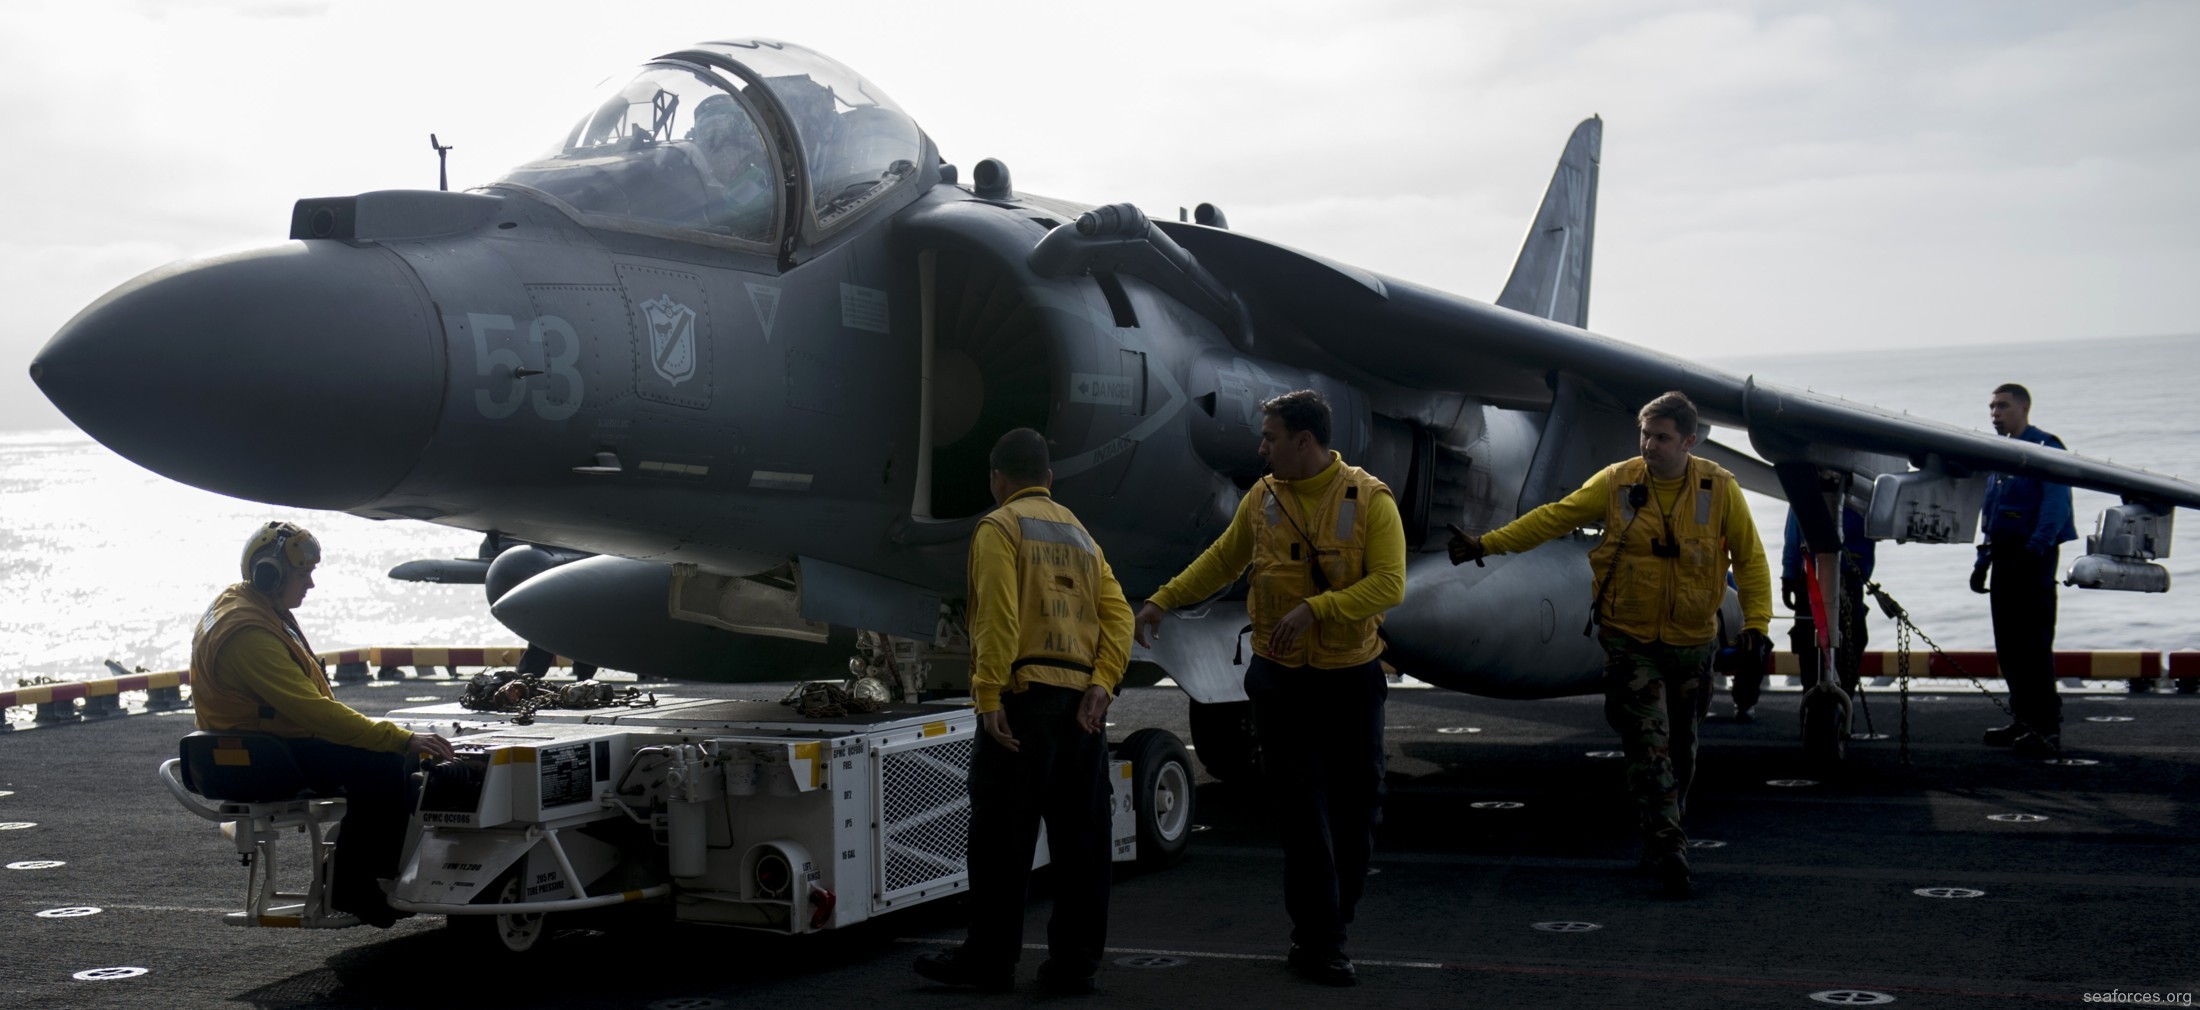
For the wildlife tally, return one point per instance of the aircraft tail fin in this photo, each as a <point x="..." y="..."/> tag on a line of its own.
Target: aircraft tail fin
<point x="1551" y="277"/>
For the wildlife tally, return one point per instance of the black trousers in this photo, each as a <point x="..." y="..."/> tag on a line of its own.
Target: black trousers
<point x="1322" y="751"/>
<point x="1748" y="685"/>
<point x="379" y="798"/>
<point x="1059" y="776"/>
<point x="2023" y="603"/>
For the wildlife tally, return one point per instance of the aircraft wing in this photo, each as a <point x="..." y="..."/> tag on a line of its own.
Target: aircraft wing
<point x="1357" y="324"/>
<point x="1790" y="414"/>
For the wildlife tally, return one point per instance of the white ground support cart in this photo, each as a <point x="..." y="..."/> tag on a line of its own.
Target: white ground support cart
<point x="737" y="813"/>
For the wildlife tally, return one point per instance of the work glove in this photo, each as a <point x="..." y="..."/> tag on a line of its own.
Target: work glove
<point x="1978" y="576"/>
<point x="1753" y="649"/>
<point x="1791" y="594"/>
<point x="1465" y="547"/>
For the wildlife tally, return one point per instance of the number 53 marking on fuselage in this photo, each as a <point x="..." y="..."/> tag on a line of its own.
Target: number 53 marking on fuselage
<point x="503" y="363"/>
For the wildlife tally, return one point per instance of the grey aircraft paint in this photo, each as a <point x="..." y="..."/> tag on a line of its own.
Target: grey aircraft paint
<point x="792" y="348"/>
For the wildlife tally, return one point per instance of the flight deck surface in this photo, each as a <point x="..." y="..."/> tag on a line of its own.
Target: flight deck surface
<point x="1502" y="878"/>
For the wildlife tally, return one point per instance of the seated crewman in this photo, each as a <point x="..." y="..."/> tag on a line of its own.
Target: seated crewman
<point x="734" y="154"/>
<point x="252" y="670"/>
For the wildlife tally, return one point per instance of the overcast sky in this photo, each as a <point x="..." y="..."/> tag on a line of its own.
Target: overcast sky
<point x="1777" y="177"/>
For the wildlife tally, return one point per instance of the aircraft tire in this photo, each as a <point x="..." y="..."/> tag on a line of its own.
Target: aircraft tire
<point x="1824" y="741"/>
<point x="1161" y="795"/>
<point x="505" y="935"/>
<point x="1228" y="742"/>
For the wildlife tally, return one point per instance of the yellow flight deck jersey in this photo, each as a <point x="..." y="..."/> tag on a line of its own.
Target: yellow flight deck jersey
<point x="251" y="669"/>
<point x="1044" y="605"/>
<point x="1353" y="525"/>
<point x="1674" y="600"/>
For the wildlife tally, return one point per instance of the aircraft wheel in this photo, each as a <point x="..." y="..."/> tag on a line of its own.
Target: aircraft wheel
<point x="1825" y="736"/>
<point x="1229" y="744"/>
<point x="519" y="933"/>
<point x="1161" y="792"/>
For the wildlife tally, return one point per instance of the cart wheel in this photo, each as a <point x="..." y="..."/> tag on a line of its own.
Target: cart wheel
<point x="1161" y="790"/>
<point x="513" y="934"/>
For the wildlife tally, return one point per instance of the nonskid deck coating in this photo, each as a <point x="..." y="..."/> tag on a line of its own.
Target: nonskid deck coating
<point x="1813" y="890"/>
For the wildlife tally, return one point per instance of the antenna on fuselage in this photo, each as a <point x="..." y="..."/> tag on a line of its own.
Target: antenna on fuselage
<point x="442" y="163"/>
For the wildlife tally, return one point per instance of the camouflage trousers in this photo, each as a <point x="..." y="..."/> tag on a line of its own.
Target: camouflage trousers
<point x="1654" y="696"/>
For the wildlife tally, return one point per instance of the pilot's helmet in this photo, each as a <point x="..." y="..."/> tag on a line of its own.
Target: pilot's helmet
<point x="720" y="121"/>
<point x="275" y="550"/>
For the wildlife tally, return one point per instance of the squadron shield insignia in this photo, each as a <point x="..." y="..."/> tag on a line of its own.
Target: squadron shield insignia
<point x="671" y="338"/>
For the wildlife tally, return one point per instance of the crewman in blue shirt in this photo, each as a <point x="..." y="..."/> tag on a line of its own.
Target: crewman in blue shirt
<point x="2025" y="520"/>
<point x="1803" y="634"/>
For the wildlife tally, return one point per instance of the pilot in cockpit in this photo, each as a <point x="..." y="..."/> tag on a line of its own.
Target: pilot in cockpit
<point x="733" y="155"/>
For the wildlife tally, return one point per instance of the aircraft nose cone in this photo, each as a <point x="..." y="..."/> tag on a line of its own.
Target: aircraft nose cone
<point x="307" y="374"/>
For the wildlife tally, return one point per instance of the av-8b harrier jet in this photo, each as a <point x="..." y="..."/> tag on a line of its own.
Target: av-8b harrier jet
<point x="722" y="365"/>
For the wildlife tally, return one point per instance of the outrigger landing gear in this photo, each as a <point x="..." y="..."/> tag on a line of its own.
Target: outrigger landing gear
<point x="1825" y="715"/>
<point x="1818" y="497"/>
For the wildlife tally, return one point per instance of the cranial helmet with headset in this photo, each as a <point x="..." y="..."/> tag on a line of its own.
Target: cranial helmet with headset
<point x="276" y="550"/>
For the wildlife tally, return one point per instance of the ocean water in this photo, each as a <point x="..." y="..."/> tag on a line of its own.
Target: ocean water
<point x="101" y="559"/>
<point x="2131" y="400"/>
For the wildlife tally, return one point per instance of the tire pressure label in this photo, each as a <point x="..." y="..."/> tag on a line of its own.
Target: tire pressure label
<point x="566" y="775"/>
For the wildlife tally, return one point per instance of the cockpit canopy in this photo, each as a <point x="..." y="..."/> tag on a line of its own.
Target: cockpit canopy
<point x="723" y="138"/>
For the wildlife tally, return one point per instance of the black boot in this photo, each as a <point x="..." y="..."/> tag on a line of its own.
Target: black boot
<point x="954" y="967"/>
<point x="1328" y="967"/>
<point x="1673" y="875"/>
<point x="1066" y="978"/>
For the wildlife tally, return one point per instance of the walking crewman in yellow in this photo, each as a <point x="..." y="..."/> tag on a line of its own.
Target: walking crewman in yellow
<point x="252" y="670"/>
<point x="1328" y="557"/>
<point x="1673" y="524"/>
<point x="1049" y="638"/>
